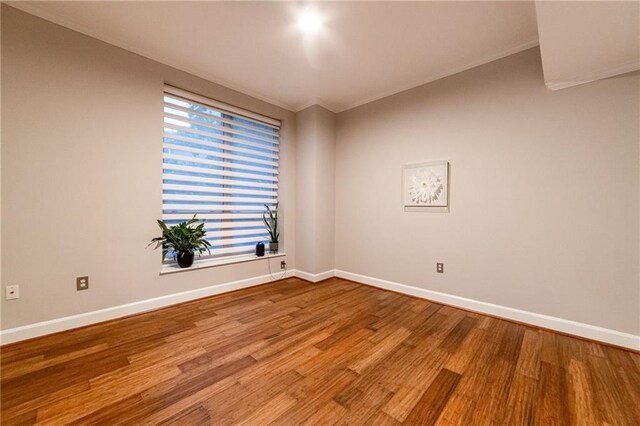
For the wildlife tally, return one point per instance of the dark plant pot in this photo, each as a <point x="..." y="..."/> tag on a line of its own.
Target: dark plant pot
<point x="273" y="247"/>
<point x="185" y="259"/>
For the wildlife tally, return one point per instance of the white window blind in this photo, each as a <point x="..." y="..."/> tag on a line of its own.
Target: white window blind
<point x="220" y="163"/>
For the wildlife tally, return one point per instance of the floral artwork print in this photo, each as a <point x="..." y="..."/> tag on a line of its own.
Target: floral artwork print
<point x="425" y="184"/>
<point x="426" y="187"/>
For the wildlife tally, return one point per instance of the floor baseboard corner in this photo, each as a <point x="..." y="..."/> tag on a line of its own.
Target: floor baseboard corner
<point x="574" y="328"/>
<point x="314" y="278"/>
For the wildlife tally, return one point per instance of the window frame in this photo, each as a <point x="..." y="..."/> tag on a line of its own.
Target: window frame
<point x="231" y="148"/>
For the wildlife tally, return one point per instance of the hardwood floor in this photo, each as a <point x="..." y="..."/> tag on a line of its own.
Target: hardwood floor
<point x="337" y="352"/>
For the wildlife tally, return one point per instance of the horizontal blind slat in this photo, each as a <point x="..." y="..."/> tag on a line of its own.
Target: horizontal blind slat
<point x="217" y="198"/>
<point x="220" y="145"/>
<point x="186" y="157"/>
<point x="173" y="145"/>
<point x="218" y="233"/>
<point x="228" y="109"/>
<point x="211" y="225"/>
<point x="232" y="250"/>
<point x="217" y="172"/>
<point x="233" y="224"/>
<point x="207" y="116"/>
<point x="187" y="216"/>
<point x="210" y="207"/>
<point x="219" y="128"/>
<point x="217" y="181"/>
<point x="183" y="129"/>
<point x="230" y="191"/>
<point x="236" y="240"/>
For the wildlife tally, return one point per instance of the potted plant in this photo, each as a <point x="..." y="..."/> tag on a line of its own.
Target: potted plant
<point x="183" y="239"/>
<point x="271" y="224"/>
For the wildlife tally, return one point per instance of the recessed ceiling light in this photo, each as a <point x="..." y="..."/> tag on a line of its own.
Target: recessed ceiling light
<point x="309" y="21"/>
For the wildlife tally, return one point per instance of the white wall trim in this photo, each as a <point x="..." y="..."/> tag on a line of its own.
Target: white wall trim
<point x="314" y="278"/>
<point x="528" y="44"/>
<point x="553" y="323"/>
<point x="174" y="268"/>
<point x="86" y="29"/>
<point x="593" y="332"/>
<point x="74" y="321"/>
<point x="596" y="75"/>
<point x="324" y="105"/>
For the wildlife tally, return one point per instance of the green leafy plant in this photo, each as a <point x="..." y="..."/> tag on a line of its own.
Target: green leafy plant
<point x="185" y="237"/>
<point x="271" y="223"/>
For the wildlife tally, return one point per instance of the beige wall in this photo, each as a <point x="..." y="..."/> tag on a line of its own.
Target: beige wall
<point x="325" y="190"/>
<point x="315" y="190"/>
<point x="82" y="174"/>
<point x="545" y="186"/>
<point x="1" y="9"/>
<point x="544" y="192"/>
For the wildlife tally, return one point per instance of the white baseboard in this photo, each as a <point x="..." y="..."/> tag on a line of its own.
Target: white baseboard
<point x="588" y="331"/>
<point x="67" y="323"/>
<point x="565" y="326"/>
<point x="314" y="278"/>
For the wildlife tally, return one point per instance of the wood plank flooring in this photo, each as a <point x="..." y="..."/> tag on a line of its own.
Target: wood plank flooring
<point x="337" y="352"/>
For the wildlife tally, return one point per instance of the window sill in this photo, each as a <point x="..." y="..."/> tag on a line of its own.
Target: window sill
<point x="173" y="268"/>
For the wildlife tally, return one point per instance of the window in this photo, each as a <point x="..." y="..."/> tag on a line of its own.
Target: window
<point x="221" y="164"/>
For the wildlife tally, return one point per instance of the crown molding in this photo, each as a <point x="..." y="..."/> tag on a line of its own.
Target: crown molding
<point x="520" y="47"/>
<point x="333" y="109"/>
<point x="589" y="77"/>
<point x="33" y="8"/>
<point x="85" y="29"/>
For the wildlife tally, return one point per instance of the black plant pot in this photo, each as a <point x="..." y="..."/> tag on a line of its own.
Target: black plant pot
<point x="185" y="259"/>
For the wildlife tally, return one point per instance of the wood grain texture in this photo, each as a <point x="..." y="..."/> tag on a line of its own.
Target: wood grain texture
<point x="338" y="352"/>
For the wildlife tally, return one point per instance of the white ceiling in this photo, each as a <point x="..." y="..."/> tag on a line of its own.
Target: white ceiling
<point x="587" y="41"/>
<point x="367" y="50"/>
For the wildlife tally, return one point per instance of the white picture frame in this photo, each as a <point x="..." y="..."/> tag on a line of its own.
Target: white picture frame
<point x="425" y="186"/>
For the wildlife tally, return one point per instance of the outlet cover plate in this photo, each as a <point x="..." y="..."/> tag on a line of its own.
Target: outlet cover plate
<point x="82" y="283"/>
<point x="440" y="268"/>
<point x="12" y="292"/>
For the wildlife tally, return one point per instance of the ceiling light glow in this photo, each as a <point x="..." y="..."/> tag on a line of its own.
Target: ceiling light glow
<point x="309" y="21"/>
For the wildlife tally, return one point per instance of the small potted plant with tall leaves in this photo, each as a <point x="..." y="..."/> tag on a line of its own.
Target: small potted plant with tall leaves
<point x="184" y="240"/>
<point x="270" y="218"/>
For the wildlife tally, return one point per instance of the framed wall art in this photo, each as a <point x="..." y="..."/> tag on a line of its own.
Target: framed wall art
<point x="426" y="186"/>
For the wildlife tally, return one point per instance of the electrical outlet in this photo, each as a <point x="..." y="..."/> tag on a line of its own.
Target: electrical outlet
<point x="283" y="264"/>
<point x="12" y="292"/>
<point x="440" y="268"/>
<point x="82" y="283"/>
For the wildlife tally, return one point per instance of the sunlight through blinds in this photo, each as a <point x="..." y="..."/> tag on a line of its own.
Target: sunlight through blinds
<point x="220" y="163"/>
